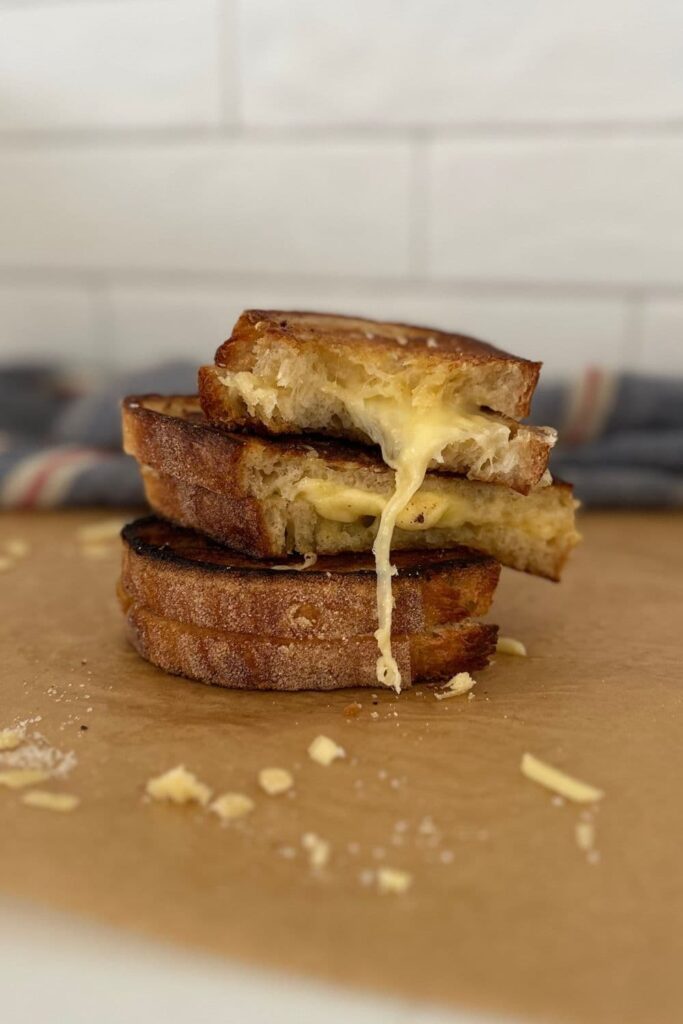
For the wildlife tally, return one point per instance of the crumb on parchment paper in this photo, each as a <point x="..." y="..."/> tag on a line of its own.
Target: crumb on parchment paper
<point x="231" y="806"/>
<point x="60" y="802"/>
<point x="274" y="781"/>
<point x="179" y="786"/>
<point x="324" y="751"/>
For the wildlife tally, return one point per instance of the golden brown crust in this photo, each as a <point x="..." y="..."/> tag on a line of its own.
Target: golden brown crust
<point x="179" y="574"/>
<point x="368" y="337"/>
<point x="242" y="661"/>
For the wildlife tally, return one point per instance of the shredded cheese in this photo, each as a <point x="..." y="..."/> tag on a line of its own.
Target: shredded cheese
<point x="16" y="547"/>
<point x="455" y="687"/>
<point x="10" y="739"/>
<point x="585" y="835"/>
<point x="318" y="850"/>
<point x="17" y="778"/>
<point x="274" y="781"/>
<point x="559" y="782"/>
<point x="231" y="806"/>
<point x="325" y="751"/>
<point x="61" y="802"/>
<point x="392" y="880"/>
<point x="308" y="561"/>
<point x="101" y="532"/>
<point x="179" y="786"/>
<point x="508" y="645"/>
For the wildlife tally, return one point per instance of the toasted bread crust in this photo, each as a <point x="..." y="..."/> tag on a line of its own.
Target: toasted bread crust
<point x="372" y="338"/>
<point x="205" y="478"/>
<point x="528" y="449"/>
<point x="181" y="575"/>
<point x="243" y="661"/>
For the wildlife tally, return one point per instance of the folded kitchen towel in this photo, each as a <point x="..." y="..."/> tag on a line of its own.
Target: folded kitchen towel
<point x="60" y="436"/>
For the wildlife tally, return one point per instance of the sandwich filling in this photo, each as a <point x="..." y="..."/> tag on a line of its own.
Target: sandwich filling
<point x="413" y="419"/>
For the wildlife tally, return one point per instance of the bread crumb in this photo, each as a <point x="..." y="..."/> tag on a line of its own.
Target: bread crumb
<point x="432" y="343"/>
<point x="508" y="645"/>
<point x="391" y="880"/>
<point x="585" y="835"/>
<point x="61" y="802"/>
<point x="274" y="781"/>
<point x="559" y="782"/>
<point x="231" y="806"/>
<point x="455" y="687"/>
<point x="318" y="850"/>
<point x="353" y="710"/>
<point x="374" y="715"/>
<point x="179" y="786"/>
<point x="10" y="739"/>
<point x="324" y="751"/>
<point x="17" y="778"/>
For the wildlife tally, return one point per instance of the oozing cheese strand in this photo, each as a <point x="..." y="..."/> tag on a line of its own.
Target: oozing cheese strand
<point x="410" y="474"/>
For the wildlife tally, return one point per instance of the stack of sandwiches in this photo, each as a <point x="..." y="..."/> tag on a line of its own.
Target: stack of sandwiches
<point x="334" y="506"/>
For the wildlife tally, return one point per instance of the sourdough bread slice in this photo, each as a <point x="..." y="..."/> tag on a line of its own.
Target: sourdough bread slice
<point x="180" y="574"/>
<point x="262" y="662"/>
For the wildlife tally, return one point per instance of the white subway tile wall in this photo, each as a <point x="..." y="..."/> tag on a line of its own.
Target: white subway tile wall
<point x="510" y="169"/>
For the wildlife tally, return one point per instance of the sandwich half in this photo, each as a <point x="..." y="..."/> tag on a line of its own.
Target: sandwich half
<point x="196" y="609"/>
<point x="271" y="498"/>
<point x="456" y="398"/>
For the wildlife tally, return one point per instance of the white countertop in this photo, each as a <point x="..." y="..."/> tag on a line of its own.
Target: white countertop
<point x="56" y="969"/>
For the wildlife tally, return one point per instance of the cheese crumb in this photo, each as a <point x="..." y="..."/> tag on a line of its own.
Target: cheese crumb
<point x="391" y="880"/>
<point x="16" y="547"/>
<point x="559" y="782"/>
<point x="17" y="778"/>
<point x="275" y="780"/>
<point x="508" y="645"/>
<point x="99" y="533"/>
<point x="325" y="751"/>
<point x="455" y="687"/>
<point x="61" y="802"/>
<point x="10" y="739"/>
<point x="585" y="835"/>
<point x="308" y="561"/>
<point x="318" y="849"/>
<point x="179" y="786"/>
<point x="231" y="806"/>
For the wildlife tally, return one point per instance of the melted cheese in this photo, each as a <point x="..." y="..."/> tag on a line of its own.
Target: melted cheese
<point x="558" y="781"/>
<point x="427" y="509"/>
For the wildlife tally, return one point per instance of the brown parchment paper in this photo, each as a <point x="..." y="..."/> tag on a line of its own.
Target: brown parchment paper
<point x="505" y="910"/>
